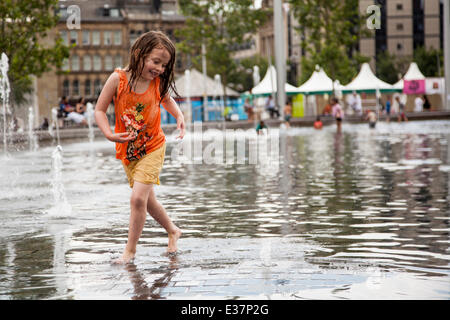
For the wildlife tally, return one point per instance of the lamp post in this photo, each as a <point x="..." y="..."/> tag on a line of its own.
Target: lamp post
<point x="280" y="55"/>
<point x="447" y="53"/>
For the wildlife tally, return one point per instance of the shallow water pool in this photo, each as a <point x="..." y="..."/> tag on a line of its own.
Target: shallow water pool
<point x="363" y="214"/>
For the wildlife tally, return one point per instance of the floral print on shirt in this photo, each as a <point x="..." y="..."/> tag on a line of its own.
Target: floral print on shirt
<point x="134" y="123"/>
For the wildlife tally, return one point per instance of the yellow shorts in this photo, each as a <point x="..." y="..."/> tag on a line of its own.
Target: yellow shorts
<point x="146" y="170"/>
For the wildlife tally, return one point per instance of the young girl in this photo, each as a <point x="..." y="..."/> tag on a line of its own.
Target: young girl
<point x="138" y="90"/>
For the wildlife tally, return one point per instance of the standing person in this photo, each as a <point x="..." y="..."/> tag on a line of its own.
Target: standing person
<point x="388" y="108"/>
<point x="401" y="116"/>
<point x="418" y="104"/>
<point x="337" y="112"/>
<point x="355" y="103"/>
<point x="426" y="103"/>
<point x="248" y="107"/>
<point x="287" y="113"/>
<point x="138" y="90"/>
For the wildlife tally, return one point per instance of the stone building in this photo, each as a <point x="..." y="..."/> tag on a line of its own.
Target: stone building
<point x="101" y="33"/>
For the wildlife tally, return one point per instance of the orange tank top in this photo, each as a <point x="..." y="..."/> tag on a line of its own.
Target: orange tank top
<point x="138" y="114"/>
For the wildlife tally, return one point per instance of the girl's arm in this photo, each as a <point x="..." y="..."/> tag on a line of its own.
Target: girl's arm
<point x="171" y="106"/>
<point x="105" y="98"/>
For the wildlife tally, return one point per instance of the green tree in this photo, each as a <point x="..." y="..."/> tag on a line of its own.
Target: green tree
<point x="242" y="79"/>
<point x="430" y="61"/>
<point x="390" y="68"/>
<point x="331" y="30"/>
<point x="24" y="25"/>
<point x="220" y="25"/>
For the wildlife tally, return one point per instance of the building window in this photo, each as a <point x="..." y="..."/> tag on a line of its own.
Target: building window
<point x="87" y="88"/>
<point x="96" y="38"/>
<point x="73" y="37"/>
<point x="87" y="63"/>
<point x="399" y="46"/>
<point x="65" y="64"/>
<point x="97" y="87"/>
<point x="75" y="63"/>
<point x="117" y="38"/>
<point x="108" y="63"/>
<point x="118" y="61"/>
<point x="399" y="26"/>
<point x="114" y="13"/>
<point x="399" y="6"/>
<point x="66" y="91"/>
<point x="97" y="63"/>
<point x="75" y="88"/>
<point x="86" y="38"/>
<point x="107" y="38"/>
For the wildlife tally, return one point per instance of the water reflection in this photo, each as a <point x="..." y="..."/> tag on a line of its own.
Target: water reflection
<point x="144" y="291"/>
<point x="359" y="200"/>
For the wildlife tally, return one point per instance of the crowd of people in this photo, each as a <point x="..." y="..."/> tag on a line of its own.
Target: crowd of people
<point x="76" y="114"/>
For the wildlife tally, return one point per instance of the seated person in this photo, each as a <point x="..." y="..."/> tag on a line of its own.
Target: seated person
<point x="80" y="107"/>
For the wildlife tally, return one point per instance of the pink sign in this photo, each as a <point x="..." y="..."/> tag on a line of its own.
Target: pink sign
<point x="414" y="86"/>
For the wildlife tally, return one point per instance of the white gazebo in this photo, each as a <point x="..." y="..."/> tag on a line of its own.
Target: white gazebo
<point x="268" y="84"/>
<point x="197" y="81"/>
<point x="319" y="83"/>
<point x="367" y="82"/>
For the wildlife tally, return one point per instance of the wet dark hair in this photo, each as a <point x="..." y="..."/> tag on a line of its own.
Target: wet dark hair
<point x="141" y="49"/>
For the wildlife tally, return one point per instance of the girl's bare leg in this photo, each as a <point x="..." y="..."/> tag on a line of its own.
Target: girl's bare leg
<point x="138" y="204"/>
<point x="157" y="211"/>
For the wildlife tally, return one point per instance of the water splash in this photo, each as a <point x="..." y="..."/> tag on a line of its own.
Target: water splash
<point x="32" y="138"/>
<point x="5" y="90"/>
<point x="90" y="121"/>
<point x="55" y="122"/>
<point x="60" y="207"/>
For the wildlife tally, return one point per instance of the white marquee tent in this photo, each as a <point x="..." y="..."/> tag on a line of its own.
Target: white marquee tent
<point x="366" y="81"/>
<point x="319" y="83"/>
<point x="196" y="89"/>
<point x="413" y="73"/>
<point x="268" y="84"/>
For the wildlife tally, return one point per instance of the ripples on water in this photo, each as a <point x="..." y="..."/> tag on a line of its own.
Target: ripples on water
<point x="369" y="203"/>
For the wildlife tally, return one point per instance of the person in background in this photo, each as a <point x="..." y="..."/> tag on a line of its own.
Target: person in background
<point x="418" y="104"/>
<point x="401" y="116"/>
<point x="337" y="113"/>
<point x="355" y="103"/>
<point x="388" y="108"/>
<point x="287" y="113"/>
<point x="248" y="107"/>
<point x="270" y="106"/>
<point x="327" y="110"/>
<point x="426" y="103"/>
<point x="318" y="123"/>
<point x="259" y="128"/>
<point x="80" y="107"/>
<point x="372" y="117"/>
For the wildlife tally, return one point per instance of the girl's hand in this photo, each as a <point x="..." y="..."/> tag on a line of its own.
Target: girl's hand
<point x="121" y="137"/>
<point x="180" y="126"/>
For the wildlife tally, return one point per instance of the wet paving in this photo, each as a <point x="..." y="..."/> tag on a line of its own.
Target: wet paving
<point x="359" y="215"/>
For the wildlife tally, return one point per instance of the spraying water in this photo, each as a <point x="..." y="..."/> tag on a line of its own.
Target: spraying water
<point x="32" y="138"/>
<point x="55" y="122"/>
<point x="61" y="207"/>
<point x="90" y="121"/>
<point x="4" y="95"/>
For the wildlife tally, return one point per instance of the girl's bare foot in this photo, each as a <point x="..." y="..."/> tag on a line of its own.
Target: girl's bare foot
<point x="173" y="238"/>
<point x="127" y="257"/>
